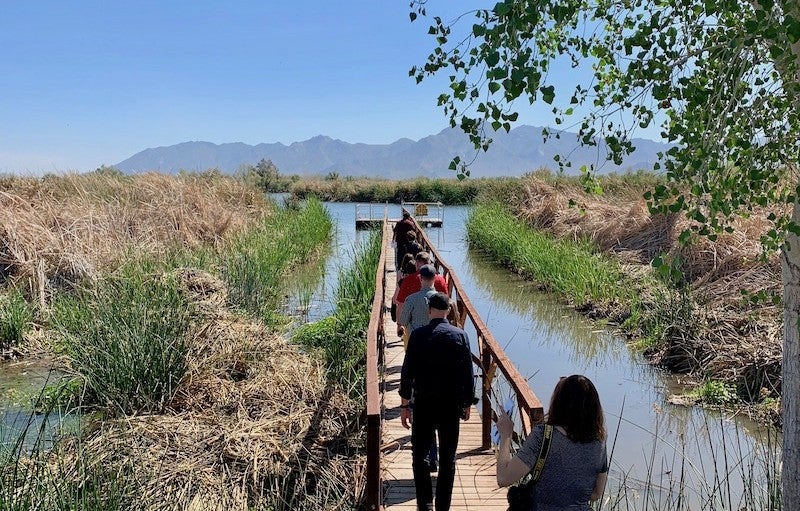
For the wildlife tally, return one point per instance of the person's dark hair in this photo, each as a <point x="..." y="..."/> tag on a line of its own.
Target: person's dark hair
<point x="575" y="406"/>
<point x="406" y="214"/>
<point x="409" y="266"/>
<point x="427" y="271"/>
<point x="439" y="301"/>
<point x="411" y="236"/>
<point x="407" y="258"/>
<point x="423" y="256"/>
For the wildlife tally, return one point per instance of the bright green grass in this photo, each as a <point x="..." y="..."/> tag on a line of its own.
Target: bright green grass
<point x="255" y="264"/>
<point x="125" y="336"/>
<point x="341" y="337"/>
<point x="571" y="269"/>
<point x="15" y="318"/>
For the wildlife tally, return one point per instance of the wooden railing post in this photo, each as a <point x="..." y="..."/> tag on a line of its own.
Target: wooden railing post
<point x="486" y="398"/>
<point x="373" y="489"/>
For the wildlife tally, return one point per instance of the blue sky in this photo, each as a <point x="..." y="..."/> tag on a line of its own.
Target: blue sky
<point x="86" y="83"/>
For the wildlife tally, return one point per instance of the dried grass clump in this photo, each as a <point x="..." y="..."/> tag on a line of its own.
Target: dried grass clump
<point x="57" y="230"/>
<point x="735" y="341"/>
<point x="254" y="423"/>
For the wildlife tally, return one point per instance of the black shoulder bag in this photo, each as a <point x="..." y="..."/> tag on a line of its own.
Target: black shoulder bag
<point x="520" y="496"/>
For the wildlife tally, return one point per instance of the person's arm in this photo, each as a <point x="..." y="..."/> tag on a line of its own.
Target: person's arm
<point x="404" y="315"/>
<point x="599" y="486"/>
<point x="407" y="382"/>
<point x="468" y="375"/>
<point x="509" y="470"/>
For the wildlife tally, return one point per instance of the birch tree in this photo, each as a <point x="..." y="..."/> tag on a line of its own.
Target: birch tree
<point x="720" y="78"/>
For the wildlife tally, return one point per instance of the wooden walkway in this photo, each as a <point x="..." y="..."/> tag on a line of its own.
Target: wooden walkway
<point x="475" y="487"/>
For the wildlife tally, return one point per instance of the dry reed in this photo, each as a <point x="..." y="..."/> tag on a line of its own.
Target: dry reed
<point x="58" y="229"/>
<point x="737" y="342"/>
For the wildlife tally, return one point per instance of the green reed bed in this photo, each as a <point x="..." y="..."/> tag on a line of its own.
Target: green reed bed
<point x="16" y="315"/>
<point x="341" y="336"/>
<point x="446" y="191"/>
<point x="570" y="268"/>
<point x="124" y="335"/>
<point x="255" y="263"/>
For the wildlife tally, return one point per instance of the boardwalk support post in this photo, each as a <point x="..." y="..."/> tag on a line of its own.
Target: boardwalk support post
<point x="486" y="402"/>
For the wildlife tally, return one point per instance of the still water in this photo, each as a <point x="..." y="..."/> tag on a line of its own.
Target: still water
<point x="711" y="452"/>
<point x="21" y="384"/>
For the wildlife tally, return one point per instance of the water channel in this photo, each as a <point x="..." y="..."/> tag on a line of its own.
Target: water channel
<point x="713" y="453"/>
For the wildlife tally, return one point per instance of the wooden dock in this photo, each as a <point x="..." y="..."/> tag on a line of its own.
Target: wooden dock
<point x="475" y="487"/>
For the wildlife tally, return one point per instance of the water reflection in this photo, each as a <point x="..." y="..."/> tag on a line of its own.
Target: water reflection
<point x="555" y="325"/>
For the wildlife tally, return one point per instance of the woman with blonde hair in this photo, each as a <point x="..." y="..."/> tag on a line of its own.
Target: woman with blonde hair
<point x="575" y="469"/>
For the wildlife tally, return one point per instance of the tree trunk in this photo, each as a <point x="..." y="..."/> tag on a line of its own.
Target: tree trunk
<point x="790" y="370"/>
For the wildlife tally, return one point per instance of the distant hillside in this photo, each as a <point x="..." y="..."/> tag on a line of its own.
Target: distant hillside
<point x="514" y="153"/>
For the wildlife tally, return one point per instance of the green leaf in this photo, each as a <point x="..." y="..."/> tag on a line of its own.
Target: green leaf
<point x="412" y="15"/>
<point x="548" y="94"/>
<point x="478" y="30"/>
<point x="792" y="27"/>
<point x="494" y="87"/>
<point x="501" y="9"/>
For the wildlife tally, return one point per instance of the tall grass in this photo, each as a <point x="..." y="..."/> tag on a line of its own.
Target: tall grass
<point x="16" y="316"/>
<point x="46" y="470"/>
<point x="732" y="478"/>
<point x="571" y="268"/>
<point x="454" y="191"/>
<point x="341" y="337"/>
<point x="447" y="191"/>
<point x="256" y="263"/>
<point x="125" y="336"/>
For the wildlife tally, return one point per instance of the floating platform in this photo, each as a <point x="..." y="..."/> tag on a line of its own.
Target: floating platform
<point x="427" y="214"/>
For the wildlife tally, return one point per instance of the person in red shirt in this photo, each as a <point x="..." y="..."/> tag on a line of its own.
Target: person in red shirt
<point x="412" y="284"/>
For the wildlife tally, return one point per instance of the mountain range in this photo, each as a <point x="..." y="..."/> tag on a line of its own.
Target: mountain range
<point x="521" y="150"/>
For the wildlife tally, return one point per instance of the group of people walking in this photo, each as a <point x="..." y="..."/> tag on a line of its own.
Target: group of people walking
<point x="437" y="390"/>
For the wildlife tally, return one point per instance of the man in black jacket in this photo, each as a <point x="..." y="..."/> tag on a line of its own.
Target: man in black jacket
<point x="437" y="372"/>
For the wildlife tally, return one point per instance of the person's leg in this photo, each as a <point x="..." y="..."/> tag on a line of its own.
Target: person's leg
<point x="433" y="456"/>
<point x="421" y="437"/>
<point x="447" y="426"/>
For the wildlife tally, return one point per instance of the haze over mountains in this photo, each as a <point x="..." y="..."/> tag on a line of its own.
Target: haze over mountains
<point x="521" y="150"/>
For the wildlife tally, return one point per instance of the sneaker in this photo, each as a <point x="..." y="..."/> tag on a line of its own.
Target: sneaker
<point x="426" y="507"/>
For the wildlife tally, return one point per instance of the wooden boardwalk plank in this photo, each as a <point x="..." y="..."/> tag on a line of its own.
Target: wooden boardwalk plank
<point x="475" y="487"/>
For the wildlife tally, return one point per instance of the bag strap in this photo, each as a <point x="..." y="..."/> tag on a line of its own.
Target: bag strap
<point x="543" y="452"/>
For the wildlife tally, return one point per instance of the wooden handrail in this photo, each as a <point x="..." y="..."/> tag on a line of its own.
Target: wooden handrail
<point x="490" y="352"/>
<point x="375" y="341"/>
